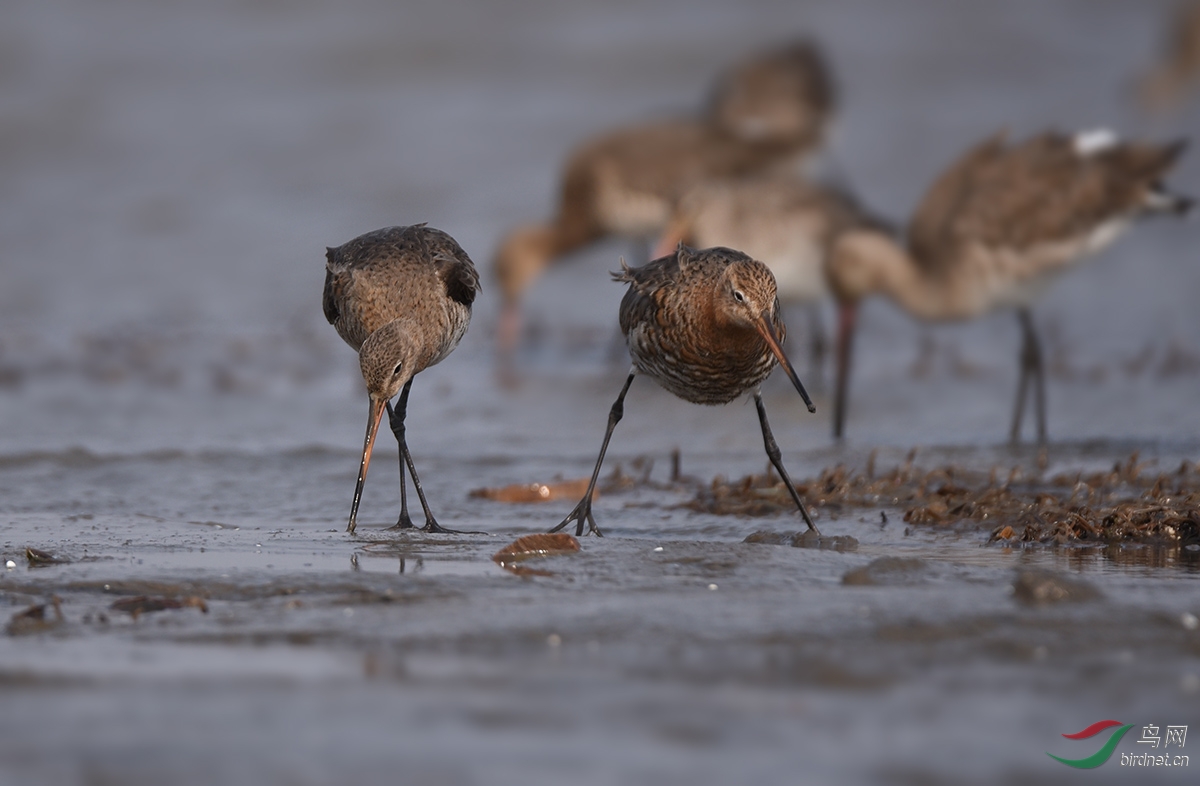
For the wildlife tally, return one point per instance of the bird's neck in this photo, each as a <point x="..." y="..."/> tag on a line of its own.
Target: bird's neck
<point x="424" y="337"/>
<point x="880" y="264"/>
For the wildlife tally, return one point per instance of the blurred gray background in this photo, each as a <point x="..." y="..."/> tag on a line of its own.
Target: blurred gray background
<point x="172" y="175"/>
<point x="179" y="419"/>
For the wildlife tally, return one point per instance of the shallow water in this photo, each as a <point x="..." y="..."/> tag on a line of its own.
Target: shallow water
<point x="179" y="421"/>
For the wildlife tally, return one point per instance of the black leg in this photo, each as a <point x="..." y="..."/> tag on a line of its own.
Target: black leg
<point x="396" y="419"/>
<point x="431" y="524"/>
<point x="397" y="423"/>
<point x="777" y="459"/>
<point x="1031" y="370"/>
<point x="583" y="511"/>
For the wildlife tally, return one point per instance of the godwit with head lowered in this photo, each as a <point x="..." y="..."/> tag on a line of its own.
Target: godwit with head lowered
<point x="781" y="219"/>
<point x="402" y="297"/>
<point x="783" y="95"/>
<point x="998" y="227"/>
<point x="769" y="110"/>
<point x="706" y="326"/>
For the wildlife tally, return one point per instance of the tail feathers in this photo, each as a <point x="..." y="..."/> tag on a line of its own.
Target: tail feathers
<point x="1160" y="200"/>
<point x="1156" y="161"/>
<point x="625" y="274"/>
<point x="1156" y="164"/>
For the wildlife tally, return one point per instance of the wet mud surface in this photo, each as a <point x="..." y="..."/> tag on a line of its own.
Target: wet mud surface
<point x="179" y="599"/>
<point x="703" y="645"/>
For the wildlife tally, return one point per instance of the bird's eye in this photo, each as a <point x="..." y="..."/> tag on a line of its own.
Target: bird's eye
<point x="738" y="296"/>
<point x="396" y="370"/>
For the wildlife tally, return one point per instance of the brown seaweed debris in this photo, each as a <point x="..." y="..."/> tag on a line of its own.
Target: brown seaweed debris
<point x="753" y="496"/>
<point x="534" y="492"/>
<point x="616" y="481"/>
<point x="542" y="545"/>
<point x="1125" y="503"/>
<point x="531" y="547"/>
<point x="145" y="604"/>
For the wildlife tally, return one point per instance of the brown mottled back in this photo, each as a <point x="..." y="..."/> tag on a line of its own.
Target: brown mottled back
<point x="625" y="182"/>
<point x="416" y="273"/>
<point x="749" y="211"/>
<point x="1042" y="190"/>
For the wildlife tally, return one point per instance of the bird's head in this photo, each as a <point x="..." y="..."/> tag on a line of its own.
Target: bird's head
<point x="746" y="296"/>
<point x="388" y="359"/>
<point x="780" y="97"/>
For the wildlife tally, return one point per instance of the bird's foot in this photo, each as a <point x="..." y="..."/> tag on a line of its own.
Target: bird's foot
<point x="404" y="522"/>
<point x="581" y="514"/>
<point x="432" y="526"/>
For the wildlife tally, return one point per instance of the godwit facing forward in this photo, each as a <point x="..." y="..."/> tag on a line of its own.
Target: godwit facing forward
<point x="706" y="326"/>
<point x="995" y="229"/>
<point x="402" y="297"/>
<point x="769" y="110"/>
<point x="781" y="219"/>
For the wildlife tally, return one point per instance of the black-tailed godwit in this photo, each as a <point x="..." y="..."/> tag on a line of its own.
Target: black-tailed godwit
<point x="781" y="219"/>
<point x="995" y="230"/>
<point x="402" y="298"/>
<point x="706" y="326"/>
<point x="768" y="111"/>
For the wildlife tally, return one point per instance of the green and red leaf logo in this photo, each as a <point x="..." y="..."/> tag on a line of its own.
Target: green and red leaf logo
<point x="1106" y="750"/>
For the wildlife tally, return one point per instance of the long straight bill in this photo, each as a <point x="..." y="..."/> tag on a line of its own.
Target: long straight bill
<point x="768" y="334"/>
<point x="373" y="418"/>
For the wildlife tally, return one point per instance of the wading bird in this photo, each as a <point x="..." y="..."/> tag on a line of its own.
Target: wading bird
<point x="781" y="219"/>
<point x="706" y="326"/>
<point x="402" y="298"/>
<point x="768" y="111"/>
<point x="995" y="230"/>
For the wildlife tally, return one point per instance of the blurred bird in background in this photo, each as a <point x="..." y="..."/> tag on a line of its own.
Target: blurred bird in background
<point x="768" y="111"/>
<point x="1167" y="84"/>
<point x="782" y="219"/>
<point x="997" y="228"/>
